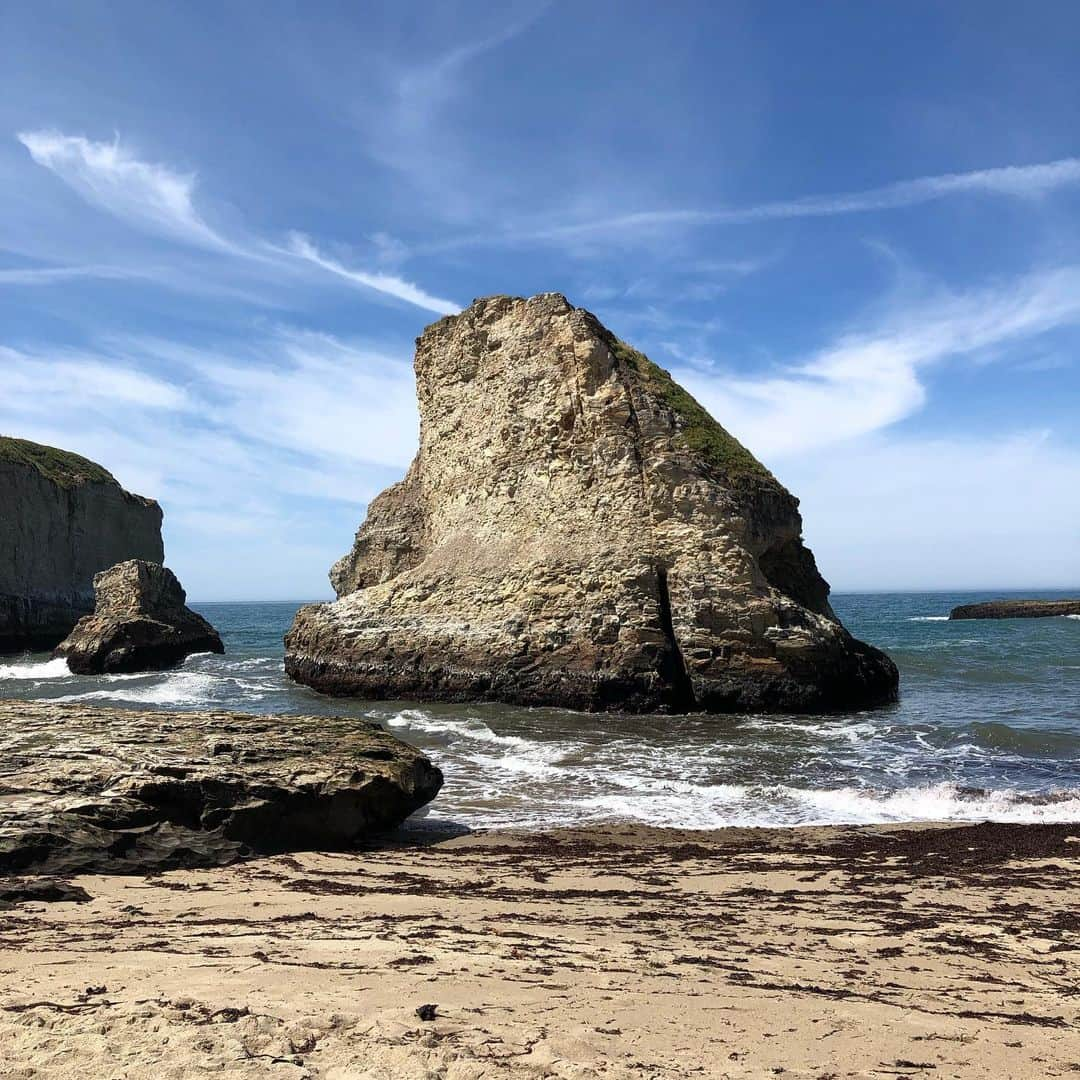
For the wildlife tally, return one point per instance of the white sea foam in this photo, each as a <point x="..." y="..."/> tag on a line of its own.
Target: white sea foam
<point x="273" y="662"/>
<point x="466" y="728"/>
<point x="853" y="731"/>
<point x="676" y="804"/>
<point x="175" y="688"/>
<point x="928" y="618"/>
<point x="42" y="669"/>
<point x="540" y="762"/>
<point x="1072" y="616"/>
<point x="483" y="748"/>
<point x="936" y="802"/>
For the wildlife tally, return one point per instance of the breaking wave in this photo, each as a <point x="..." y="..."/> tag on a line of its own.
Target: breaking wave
<point x="179" y="688"/>
<point x="36" y="670"/>
<point x="780" y="805"/>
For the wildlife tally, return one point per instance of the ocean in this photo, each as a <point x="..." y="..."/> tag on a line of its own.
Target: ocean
<point x="987" y="728"/>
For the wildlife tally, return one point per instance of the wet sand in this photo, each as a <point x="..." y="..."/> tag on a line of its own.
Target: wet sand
<point x="620" y="952"/>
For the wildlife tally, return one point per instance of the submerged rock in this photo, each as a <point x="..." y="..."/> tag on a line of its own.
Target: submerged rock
<point x="114" y="789"/>
<point x="1016" y="609"/>
<point x="64" y="519"/>
<point x="577" y="531"/>
<point x="141" y="622"/>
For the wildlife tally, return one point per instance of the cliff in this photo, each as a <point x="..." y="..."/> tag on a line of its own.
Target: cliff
<point x="64" y="519"/>
<point x="576" y="530"/>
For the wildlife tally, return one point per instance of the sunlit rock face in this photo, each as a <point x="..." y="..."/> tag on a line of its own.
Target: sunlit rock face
<point x="577" y="531"/>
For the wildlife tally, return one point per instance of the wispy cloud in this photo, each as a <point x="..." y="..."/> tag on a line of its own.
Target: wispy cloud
<point x="389" y="284"/>
<point x="37" y="382"/>
<point x="109" y="176"/>
<point x="52" y="275"/>
<point x="408" y="125"/>
<point x="154" y="198"/>
<point x="431" y="81"/>
<point x="871" y="378"/>
<point x="305" y="394"/>
<point x="945" y="512"/>
<point x="1018" y="181"/>
<point x="262" y="449"/>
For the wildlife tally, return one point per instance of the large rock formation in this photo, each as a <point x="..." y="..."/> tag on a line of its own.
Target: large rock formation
<point x="1016" y="609"/>
<point x="63" y="519"/>
<point x="141" y="622"/>
<point x="114" y="789"/>
<point x="576" y="530"/>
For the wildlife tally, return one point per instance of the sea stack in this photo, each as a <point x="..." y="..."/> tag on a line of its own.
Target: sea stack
<point x="577" y="531"/>
<point x="63" y="520"/>
<point x="141" y="622"/>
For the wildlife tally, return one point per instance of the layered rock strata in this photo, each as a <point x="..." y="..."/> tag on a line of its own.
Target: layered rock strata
<point x="63" y="519"/>
<point x="141" y="622"/>
<point x="1016" y="609"/>
<point x="114" y="789"/>
<point x="577" y="531"/>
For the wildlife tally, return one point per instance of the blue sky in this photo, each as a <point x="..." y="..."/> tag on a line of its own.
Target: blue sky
<point x="851" y="229"/>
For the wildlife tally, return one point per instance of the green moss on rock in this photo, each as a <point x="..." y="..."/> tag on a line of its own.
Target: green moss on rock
<point x="60" y="466"/>
<point x="701" y="434"/>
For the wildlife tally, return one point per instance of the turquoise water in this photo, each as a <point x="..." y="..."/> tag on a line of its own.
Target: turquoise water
<point x="988" y="727"/>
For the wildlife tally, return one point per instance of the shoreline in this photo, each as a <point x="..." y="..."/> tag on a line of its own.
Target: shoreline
<point x="619" y="951"/>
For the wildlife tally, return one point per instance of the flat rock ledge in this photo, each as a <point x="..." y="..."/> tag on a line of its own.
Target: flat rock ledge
<point x="141" y="622"/>
<point x="1016" y="609"/>
<point x="116" y="790"/>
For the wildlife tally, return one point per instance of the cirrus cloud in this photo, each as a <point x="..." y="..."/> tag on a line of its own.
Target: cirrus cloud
<point x="109" y="176"/>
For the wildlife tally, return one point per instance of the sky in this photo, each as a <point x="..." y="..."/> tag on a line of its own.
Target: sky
<point x="851" y="230"/>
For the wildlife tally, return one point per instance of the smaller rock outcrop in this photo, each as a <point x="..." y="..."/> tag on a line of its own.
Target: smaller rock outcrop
<point x="1016" y="609"/>
<point x="141" y="622"/>
<point x="118" y="790"/>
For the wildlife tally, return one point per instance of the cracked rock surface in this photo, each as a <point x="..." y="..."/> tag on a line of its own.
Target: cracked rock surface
<point x="117" y="789"/>
<point x="577" y="531"/>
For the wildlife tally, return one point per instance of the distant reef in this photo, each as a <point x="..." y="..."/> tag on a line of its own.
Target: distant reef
<point x="1016" y="609"/>
<point x="577" y="531"/>
<point x="64" y="519"/>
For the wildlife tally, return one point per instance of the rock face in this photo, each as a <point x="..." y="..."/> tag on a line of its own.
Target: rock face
<point x="577" y="531"/>
<point x="85" y="788"/>
<point x="140" y="623"/>
<point x="1016" y="609"/>
<point x="63" y="519"/>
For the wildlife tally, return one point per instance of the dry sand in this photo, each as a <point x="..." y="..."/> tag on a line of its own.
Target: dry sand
<point x="616" y="953"/>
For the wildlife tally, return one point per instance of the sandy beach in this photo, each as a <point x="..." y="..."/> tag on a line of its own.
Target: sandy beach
<point x="619" y="952"/>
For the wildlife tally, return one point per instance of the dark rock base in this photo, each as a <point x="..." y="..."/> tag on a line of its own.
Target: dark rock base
<point x="861" y="677"/>
<point x="141" y="645"/>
